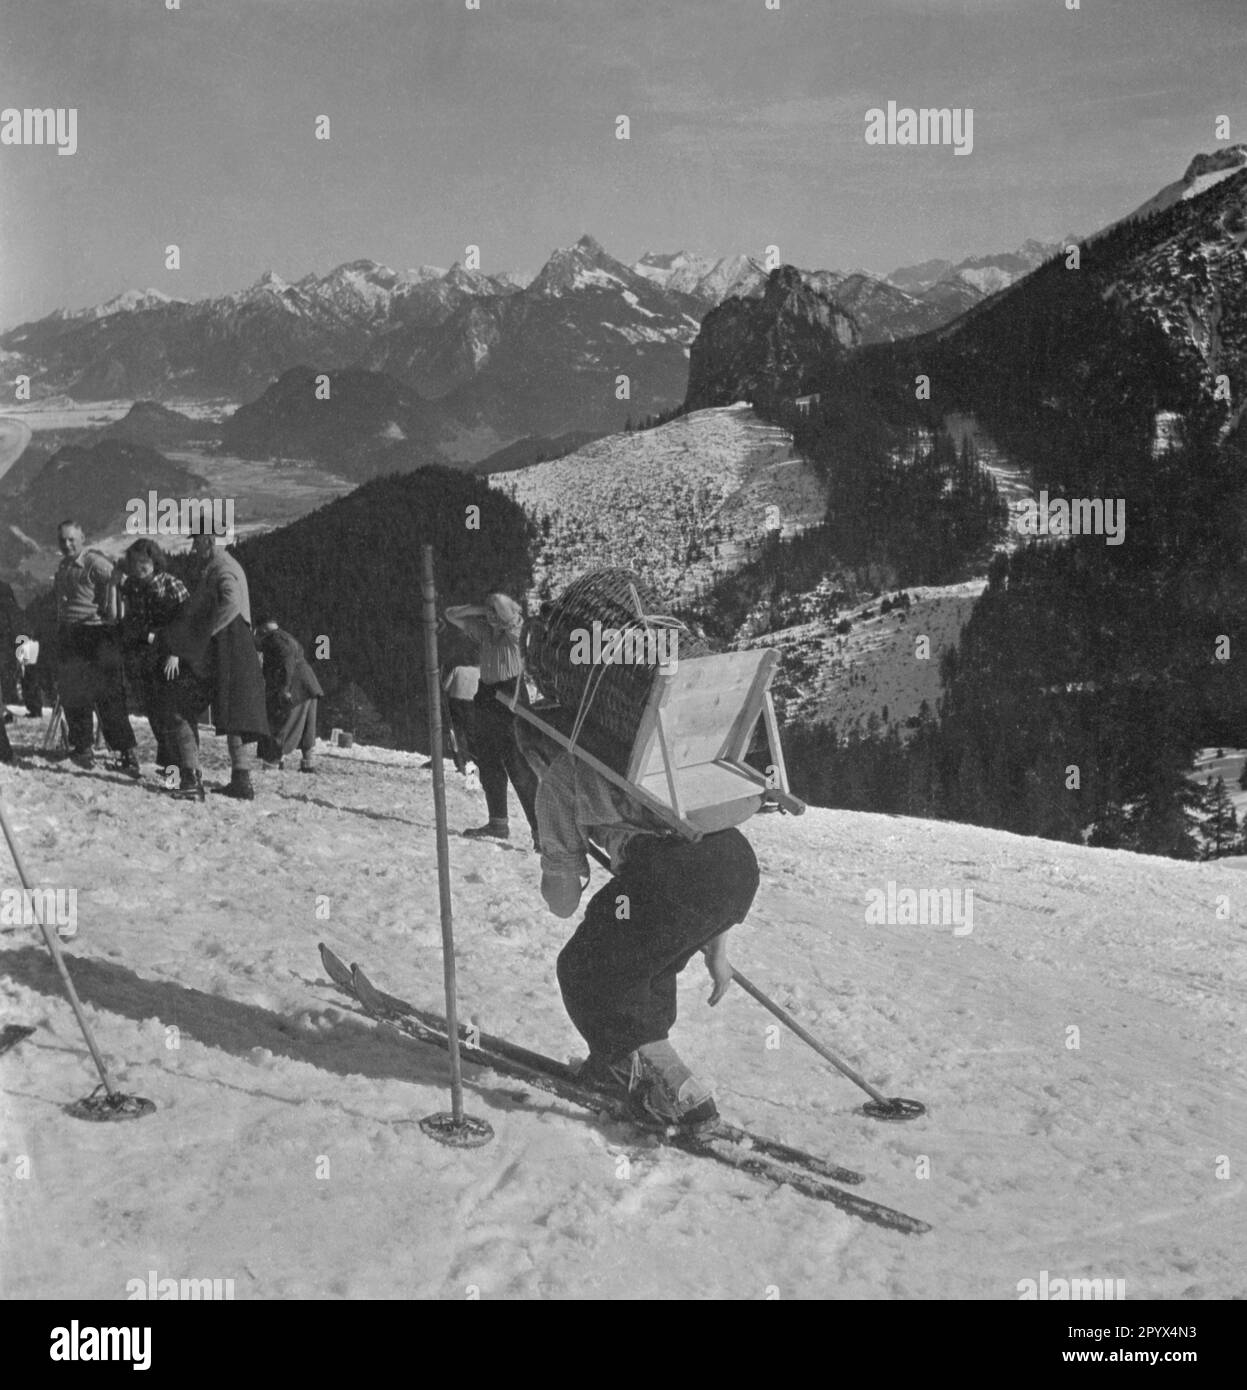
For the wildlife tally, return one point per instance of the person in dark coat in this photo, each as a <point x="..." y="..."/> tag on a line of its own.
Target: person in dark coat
<point x="291" y="692"/>
<point x="6" y="748"/>
<point x="10" y="621"/>
<point x="212" y="636"/>
<point x="10" y="630"/>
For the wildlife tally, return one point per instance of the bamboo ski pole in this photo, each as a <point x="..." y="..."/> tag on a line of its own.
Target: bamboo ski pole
<point x="787" y="1019"/>
<point x="54" y="946"/>
<point x="789" y="1022"/>
<point x="434" y="693"/>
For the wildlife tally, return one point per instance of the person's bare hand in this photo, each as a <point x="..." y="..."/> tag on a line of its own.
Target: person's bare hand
<point x="172" y="667"/>
<point x="561" y="892"/>
<point x="719" y="966"/>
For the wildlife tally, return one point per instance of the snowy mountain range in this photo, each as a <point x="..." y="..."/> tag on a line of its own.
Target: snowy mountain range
<point x="503" y="356"/>
<point x="984" y="274"/>
<point x="129" y="301"/>
<point x="1166" y="286"/>
<point x="497" y="359"/>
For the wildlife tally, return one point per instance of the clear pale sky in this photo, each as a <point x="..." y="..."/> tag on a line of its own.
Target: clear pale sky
<point x="497" y="127"/>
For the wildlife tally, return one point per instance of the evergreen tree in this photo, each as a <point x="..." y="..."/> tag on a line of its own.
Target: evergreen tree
<point x="1219" y="828"/>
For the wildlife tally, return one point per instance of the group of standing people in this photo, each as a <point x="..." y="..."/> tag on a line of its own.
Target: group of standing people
<point x="183" y="650"/>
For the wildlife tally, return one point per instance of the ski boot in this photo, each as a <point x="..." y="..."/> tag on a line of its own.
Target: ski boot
<point x="494" y="830"/>
<point x="127" y="763"/>
<point x="665" y="1090"/>
<point x="192" y="786"/>
<point x="657" y="1085"/>
<point x="239" y="786"/>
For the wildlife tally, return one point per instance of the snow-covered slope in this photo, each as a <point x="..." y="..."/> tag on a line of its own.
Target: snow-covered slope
<point x="285" y="1154"/>
<point x="873" y="669"/>
<point x="664" y="501"/>
<point x="1205" y="171"/>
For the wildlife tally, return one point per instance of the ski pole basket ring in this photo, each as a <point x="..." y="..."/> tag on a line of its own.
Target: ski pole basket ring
<point x="470" y="1133"/>
<point x="104" y="1106"/>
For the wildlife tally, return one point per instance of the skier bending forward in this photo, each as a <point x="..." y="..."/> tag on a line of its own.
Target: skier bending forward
<point x="668" y="899"/>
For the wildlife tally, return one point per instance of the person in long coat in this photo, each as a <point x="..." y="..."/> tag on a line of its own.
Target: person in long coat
<point x="291" y="693"/>
<point x="212" y="636"/>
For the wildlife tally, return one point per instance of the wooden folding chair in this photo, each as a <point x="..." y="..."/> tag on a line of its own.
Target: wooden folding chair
<point x="686" y="762"/>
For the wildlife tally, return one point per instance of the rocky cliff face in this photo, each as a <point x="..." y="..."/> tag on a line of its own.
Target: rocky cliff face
<point x="774" y="345"/>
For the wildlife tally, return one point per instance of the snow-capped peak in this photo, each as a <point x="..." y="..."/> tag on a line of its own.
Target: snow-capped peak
<point x="702" y="277"/>
<point x="128" y="301"/>
<point x="659" y="261"/>
<point x="270" y="282"/>
<point x="1203" y="173"/>
<point x="583" y="266"/>
<point x="674" y="270"/>
<point x="460" y="277"/>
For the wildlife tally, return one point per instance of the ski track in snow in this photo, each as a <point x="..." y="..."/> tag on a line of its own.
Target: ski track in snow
<point x="1096" y="1162"/>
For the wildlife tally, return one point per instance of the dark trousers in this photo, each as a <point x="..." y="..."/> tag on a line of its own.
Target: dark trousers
<point x="148" y="681"/>
<point x="166" y="739"/>
<point x="9" y="670"/>
<point x="90" y="677"/>
<point x="618" y="975"/>
<point x="498" y="758"/>
<point x="32" y="691"/>
<point x="462" y="723"/>
<point x="176" y="707"/>
<point x="6" y="748"/>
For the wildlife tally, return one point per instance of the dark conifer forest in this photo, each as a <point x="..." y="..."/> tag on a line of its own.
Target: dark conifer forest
<point x="350" y="572"/>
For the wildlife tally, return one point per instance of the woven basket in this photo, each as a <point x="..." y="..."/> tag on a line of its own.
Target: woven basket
<point x="609" y="699"/>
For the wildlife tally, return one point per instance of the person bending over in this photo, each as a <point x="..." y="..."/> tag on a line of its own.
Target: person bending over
<point x="668" y="899"/>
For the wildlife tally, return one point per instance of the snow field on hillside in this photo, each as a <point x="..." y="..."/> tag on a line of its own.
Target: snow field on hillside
<point x="661" y="501"/>
<point x="285" y="1151"/>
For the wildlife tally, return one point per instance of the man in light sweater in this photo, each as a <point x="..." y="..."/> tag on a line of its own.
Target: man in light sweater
<point x="212" y="637"/>
<point x="89" y="669"/>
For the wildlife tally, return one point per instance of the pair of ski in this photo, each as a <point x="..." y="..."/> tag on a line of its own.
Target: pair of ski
<point x="760" y="1157"/>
